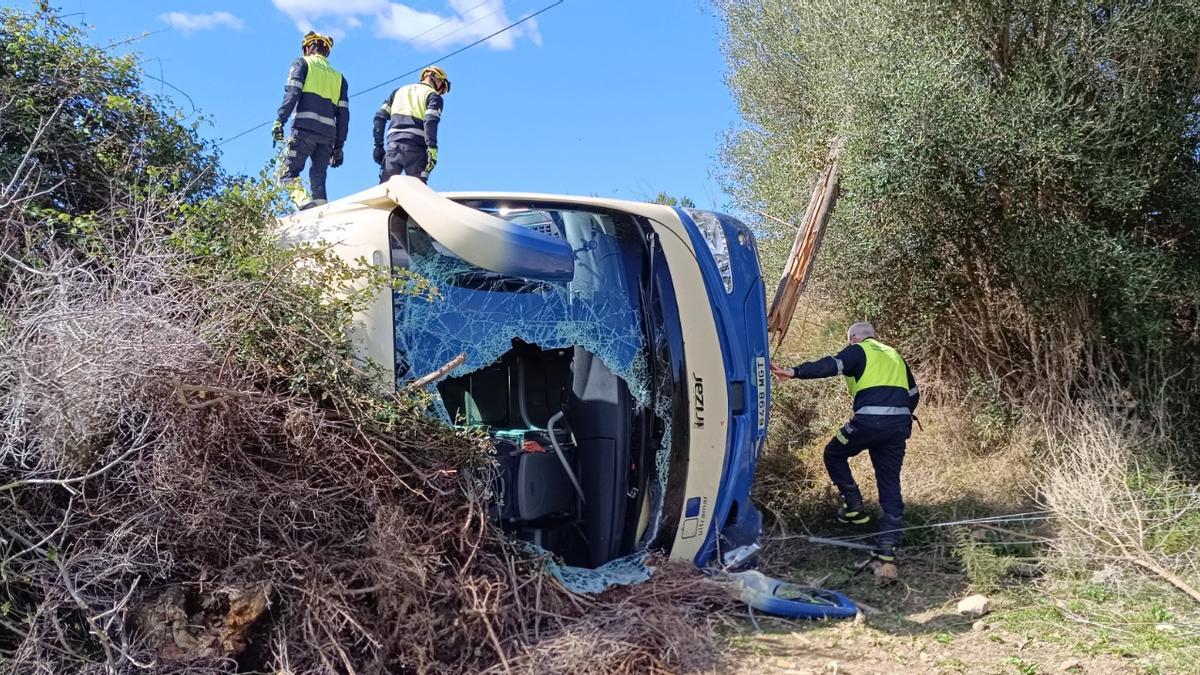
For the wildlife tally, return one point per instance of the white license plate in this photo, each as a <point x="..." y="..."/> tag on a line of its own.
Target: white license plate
<point x="760" y="381"/>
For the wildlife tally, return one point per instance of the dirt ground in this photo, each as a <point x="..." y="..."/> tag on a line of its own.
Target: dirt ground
<point x="911" y="626"/>
<point x="918" y="648"/>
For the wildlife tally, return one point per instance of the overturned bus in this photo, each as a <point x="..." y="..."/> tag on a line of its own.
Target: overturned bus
<point x="615" y="352"/>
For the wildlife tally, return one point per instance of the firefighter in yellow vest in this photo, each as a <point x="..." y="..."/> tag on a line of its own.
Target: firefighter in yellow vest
<point x="414" y="111"/>
<point x="318" y="94"/>
<point x="885" y="399"/>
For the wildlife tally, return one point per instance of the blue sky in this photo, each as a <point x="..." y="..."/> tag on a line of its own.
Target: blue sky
<point x="619" y="98"/>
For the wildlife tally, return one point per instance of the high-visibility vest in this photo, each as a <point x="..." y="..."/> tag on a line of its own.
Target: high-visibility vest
<point x="409" y="110"/>
<point x="884" y="368"/>
<point x="322" y="79"/>
<point x="411" y="100"/>
<point x="321" y="108"/>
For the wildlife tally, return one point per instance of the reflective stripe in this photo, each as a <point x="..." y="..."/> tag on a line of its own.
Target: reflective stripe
<point x="344" y="104"/>
<point x="841" y="366"/>
<point x="407" y="131"/>
<point x="913" y="391"/>
<point x="294" y="83"/>
<point x="314" y="116"/>
<point x="433" y="114"/>
<point x="882" y="410"/>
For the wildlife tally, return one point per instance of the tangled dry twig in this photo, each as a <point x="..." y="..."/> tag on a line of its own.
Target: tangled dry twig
<point x="167" y="507"/>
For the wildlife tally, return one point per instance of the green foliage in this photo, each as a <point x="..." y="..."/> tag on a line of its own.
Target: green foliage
<point x="77" y="126"/>
<point x="985" y="565"/>
<point x="284" y="311"/>
<point x="682" y="202"/>
<point x="1023" y="666"/>
<point x="994" y="418"/>
<point x="1119" y="619"/>
<point x="1020" y="184"/>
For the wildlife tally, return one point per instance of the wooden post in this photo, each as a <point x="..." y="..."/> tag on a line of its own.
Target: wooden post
<point x="798" y="269"/>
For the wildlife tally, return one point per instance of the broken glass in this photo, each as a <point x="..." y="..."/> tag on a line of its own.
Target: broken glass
<point x="486" y="315"/>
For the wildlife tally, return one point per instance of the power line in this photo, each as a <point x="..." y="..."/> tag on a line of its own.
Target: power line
<point x="463" y="14"/>
<point x="465" y="26"/>
<point x="418" y="69"/>
<point x="460" y="50"/>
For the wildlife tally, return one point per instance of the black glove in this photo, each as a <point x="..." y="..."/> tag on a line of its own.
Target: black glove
<point x="336" y="159"/>
<point x="277" y="132"/>
<point x="378" y="155"/>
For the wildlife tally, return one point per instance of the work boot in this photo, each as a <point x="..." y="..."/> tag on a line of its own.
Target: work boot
<point x="883" y="565"/>
<point x="885" y="553"/>
<point x="853" y="516"/>
<point x="889" y="536"/>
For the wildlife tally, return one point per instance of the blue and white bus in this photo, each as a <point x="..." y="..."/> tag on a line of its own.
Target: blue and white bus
<point x="615" y="351"/>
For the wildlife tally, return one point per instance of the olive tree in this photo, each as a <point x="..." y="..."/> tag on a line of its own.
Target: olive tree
<point x="1019" y="179"/>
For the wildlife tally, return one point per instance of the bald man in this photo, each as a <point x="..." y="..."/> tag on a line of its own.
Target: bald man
<point x="885" y="398"/>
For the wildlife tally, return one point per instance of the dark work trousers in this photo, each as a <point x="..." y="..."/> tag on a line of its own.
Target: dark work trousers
<point x="405" y="158"/>
<point x="883" y="437"/>
<point x="306" y="146"/>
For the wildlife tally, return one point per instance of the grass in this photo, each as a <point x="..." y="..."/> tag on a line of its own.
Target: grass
<point x="977" y="457"/>
<point x="1127" y="620"/>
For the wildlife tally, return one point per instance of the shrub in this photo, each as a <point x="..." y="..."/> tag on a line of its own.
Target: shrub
<point x="1115" y="498"/>
<point x="1019" y="181"/>
<point x="195" y="475"/>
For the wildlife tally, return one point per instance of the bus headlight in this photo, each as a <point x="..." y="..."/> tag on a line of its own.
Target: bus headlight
<point x="714" y="235"/>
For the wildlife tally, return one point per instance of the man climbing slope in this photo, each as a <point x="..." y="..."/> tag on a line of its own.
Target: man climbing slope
<point x="885" y="398"/>
<point x="318" y="93"/>
<point x="414" y="110"/>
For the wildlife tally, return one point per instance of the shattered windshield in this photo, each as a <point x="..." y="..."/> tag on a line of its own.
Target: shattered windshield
<point x="480" y="313"/>
<point x="570" y="378"/>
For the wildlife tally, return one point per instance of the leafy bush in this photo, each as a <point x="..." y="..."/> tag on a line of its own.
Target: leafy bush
<point x="1020" y="181"/>
<point x="75" y="122"/>
<point x="195" y="475"/>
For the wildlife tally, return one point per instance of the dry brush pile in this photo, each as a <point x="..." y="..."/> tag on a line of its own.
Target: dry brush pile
<point x="195" y="478"/>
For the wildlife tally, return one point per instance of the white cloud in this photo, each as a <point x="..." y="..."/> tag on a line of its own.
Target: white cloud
<point x="464" y="22"/>
<point x="189" y="23"/>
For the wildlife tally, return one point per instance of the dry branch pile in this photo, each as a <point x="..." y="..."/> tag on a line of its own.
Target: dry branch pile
<point x="193" y="480"/>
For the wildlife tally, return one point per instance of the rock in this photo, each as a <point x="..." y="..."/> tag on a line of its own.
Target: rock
<point x="1165" y="628"/>
<point x="974" y="605"/>
<point x="1071" y="666"/>
<point x="979" y="626"/>
<point x="885" y="572"/>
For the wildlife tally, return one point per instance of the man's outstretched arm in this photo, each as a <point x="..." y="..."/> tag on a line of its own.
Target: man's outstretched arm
<point x="848" y="362"/>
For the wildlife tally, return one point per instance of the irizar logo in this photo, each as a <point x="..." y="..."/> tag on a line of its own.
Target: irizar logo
<point x="698" y="400"/>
